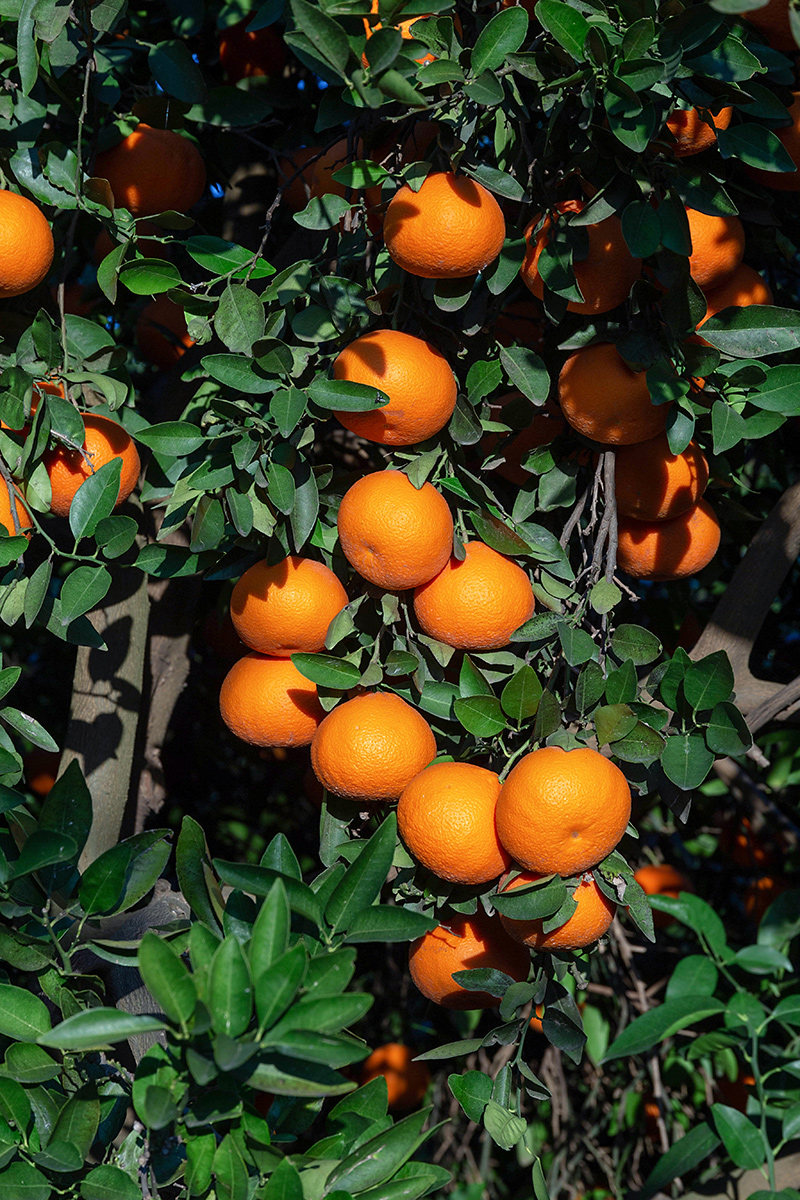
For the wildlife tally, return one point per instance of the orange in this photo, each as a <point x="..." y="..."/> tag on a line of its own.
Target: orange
<point x="562" y="811"/>
<point x="446" y="819"/>
<point x="337" y="156"/>
<point x="395" y="535"/>
<point x="477" y="603"/>
<point x="161" y="333"/>
<point x="6" y="518"/>
<point x="741" y="289"/>
<point x="662" y="550"/>
<point x="789" y="135"/>
<point x="661" y="879"/>
<point x="415" y="376"/>
<point x="26" y="245"/>
<point x="297" y="193"/>
<point x="521" y="321"/>
<point x="735" y="1092"/>
<point x="404" y="28"/>
<point x="370" y="747"/>
<point x="653" y="484"/>
<point x="406" y="1081"/>
<point x="717" y="247"/>
<point x="267" y="702"/>
<point x="153" y="170"/>
<point x="591" y="918"/>
<point x="694" y="129"/>
<point x="744" y="847"/>
<point x="607" y="274"/>
<point x="465" y="944"/>
<point x="545" y="425"/>
<point x="41" y="770"/>
<point x="451" y="228"/>
<point x="243" y="53"/>
<point x="760" y="894"/>
<point x="535" y="1022"/>
<point x="67" y="469"/>
<point x="773" y="21"/>
<point x="605" y="400"/>
<point x="287" y="607"/>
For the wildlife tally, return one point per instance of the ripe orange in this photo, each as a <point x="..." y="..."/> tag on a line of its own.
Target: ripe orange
<point x="451" y="228"/>
<point x="267" y="702"/>
<point x="403" y="27"/>
<point x="591" y="918"/>
<point x="674" y="549"/>
<point x="535" y="1022"/>
<point x="6" y="518"/>
<point x="288" y="607"/>
<point x="695" y="130"/>
<point x="477" y="603"/>
<point x="244" y="54"/>
<point x="789" y="135"/>
<point x="653" y="484"/>
<point x="446" y="819"/>
<point x="415" y="376"/>
<point x="773" y="21"/>
<point x="545" y="425"/>
<point x="26" y="245"/>
<point x="152" y="170"/>
<point x="607" y="274"/>
<point x="406" y="1081"/>
<point x="717" y="247"/>
<point x="161" y="333"/>
<point x="661" y="879"/>
<point x="465" y="944"/>
<point x="68" y="469"/>
<point x="41" y="770"/>
<point x="370" y="747"/>
<point x="395" y="535"/>
<point x="562" y="811"/>
<point x="605" y="400"/>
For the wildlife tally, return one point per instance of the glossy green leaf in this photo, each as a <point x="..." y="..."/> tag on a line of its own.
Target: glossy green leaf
<point x="166" y="978"/>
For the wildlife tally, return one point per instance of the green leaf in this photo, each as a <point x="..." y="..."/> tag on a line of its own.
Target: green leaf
<point x="284" y="1182"/>
<point x="327" y="37"/>
<point x="230" y="989"/>
<point x="377" y="1160"/>
<point x="497" y="534"/>
<point x="685" y="1154"/>
<point x="28" y="727"/>
<point x="174" y="70"/>
<point x="566" y="24"/>
<point x="43" y="849"/>
<point x="472" y="1090"/>
<point x="755" y="145"/>
<point x="239" y="319"/>
<point x="387" y="923"/>
<point x="638" y="644"/>
<point x="504" y="1127"/>
<point x="709" y="681"/>
<point x="652" y="1027"/>
<point x="503" y="35"/>
<point x="342" y="395"/>
<point x="229" y="1170"/>
<point x="728" y="426"/>
<point x="754" y="332"/>
<point x="194" y="875"/>
<point x="77" y="1123"/>
<point x="270" y="936"/>
<point x="149" y="276"/>
<point x="361" y="884"/>
<point x="82" y="591"/>
<point x="604" y="596"/>
<point x="327" y="671"/>
<point x="108" y="1182"/>
<point x="527" y="372"/>
<point x="480" y="715"/>
<point x="577" y="644"/>
<point x="95" y="499"/>
<point x="24" y="1182"/>
<point x="641" y="228"/>
<point x="96" y="1028"/>
<point x="686" y="760"/>
<point x="727" y="732"/>
<point x="276" y="986"/>
<point x="23" y="1016"/>
<point x="166" y="978"/>
<point x="742" y="1139"/>
<point x="532" y="903"/>
<point x="692" y="976"/>
<point x="521" y="695"/>
<point x="172" y="439"/>
<point x="259" y="880"/>
<point x="614" y="722"/>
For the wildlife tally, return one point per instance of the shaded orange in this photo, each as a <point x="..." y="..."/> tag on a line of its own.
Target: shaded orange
<point x="406" y="1081"/>
<point x="297" y="194"/>
<point x="41" y="770"/>
<point x="451" y="228"/>
<point x="789" y="136"/>
<point x="521" y="321"/>
<point x="475" y="603"/>
<point x="446" y="819"/>
<point x="40" y="386"/>
<point x="535" y="1022"/>
<point x="395" y="535"/>
<point x="736" y="1092"/>
<point x="404" y="29"/>
<point x="741" y="289"/>
<point x="244" y="54"/>
<point x="26" y="245"/>
<point x="104" y="439"/>
<point x="415" y="376"/>
<point x="6" y="517"/>
<point x="545" y="425"/>
<point x="760" y="894"/>
<point x="287" y="607"/>
<point x="717" y="247"/>
<point x="371" y="747"/>
<point x="161" y="333"/>
<point x="605" y="400"/>
<point x="267" y="702"/>
<point x="591" y="918"/>
<point x="562" y="811"/>
<point x="692" y="132"/>
<point x="466" y="944"/>
<point x="773" y="21"/>
<point x="607" y="274"/>
<point x="153" y="170"/>
<point x="653" y="484"/>
<point x="744" y="847"/>
<point x="661" y="879"/>
<point x="663" y="550"/>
